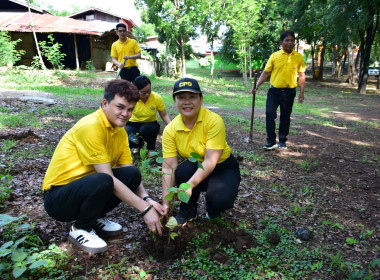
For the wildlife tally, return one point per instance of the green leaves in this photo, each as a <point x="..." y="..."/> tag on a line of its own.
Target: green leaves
<point x="172" y="223"/>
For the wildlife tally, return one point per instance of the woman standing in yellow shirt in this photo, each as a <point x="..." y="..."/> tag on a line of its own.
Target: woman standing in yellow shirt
<point x="143" y="122"/>
<point x="199" y="130"/>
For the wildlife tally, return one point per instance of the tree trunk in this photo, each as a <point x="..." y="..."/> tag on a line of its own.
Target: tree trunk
<point x="351" y="66"/>
<point x="312" y="61"/>
<point x="320" y="73"/>
<point x="341" y="71"/>
<point x="35" y="38"/>
<point x="183" y="57"/>
<point x="212" y="62"/>
<point x="366" y="54"/>
<point x="166" y="62"/>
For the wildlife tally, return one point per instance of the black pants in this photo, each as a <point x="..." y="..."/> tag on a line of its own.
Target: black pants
<point x="221" y="186"/>
<point x="145" y="132"/>
<point x="285" y="99"/>
<point x="88" y="198"/>
<point x="130" y="73"/>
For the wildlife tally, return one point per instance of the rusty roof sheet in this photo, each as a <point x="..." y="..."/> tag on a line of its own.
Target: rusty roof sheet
<point x="45" y="23"/>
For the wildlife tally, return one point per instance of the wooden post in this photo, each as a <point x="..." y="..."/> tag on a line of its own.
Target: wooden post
<point x="76" y="51"/>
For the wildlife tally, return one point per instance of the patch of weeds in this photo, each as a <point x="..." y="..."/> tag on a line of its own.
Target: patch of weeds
<point x="364" y="234"/>
<point x="244" y="171"/>
<point x="5" y="190"/>
<point x="80" y="112"/>
<point x="7" y="145"/>
<point x="253" y="156"/>
<point x="308" y="165"/>
<point x="283" y="259"/>
<point x="22" y="253"/>
<point x="333" y="225"/>
<point x="17" y="120"/>
<point x="120" y="270"/>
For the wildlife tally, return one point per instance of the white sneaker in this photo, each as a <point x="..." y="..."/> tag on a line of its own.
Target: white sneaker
<point x="87" y="241"/>
<point x="107" y="227"/>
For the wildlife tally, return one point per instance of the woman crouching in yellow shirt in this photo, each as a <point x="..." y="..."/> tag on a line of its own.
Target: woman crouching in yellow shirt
<point x="143" y="122"/>
<point x="199" y="130"/>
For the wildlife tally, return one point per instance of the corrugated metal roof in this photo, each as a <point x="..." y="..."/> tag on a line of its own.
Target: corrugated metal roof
<point x="102" y="11"/>
<point x="45" y="23"/>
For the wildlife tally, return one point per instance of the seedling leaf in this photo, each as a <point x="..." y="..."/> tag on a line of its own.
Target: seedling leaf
<point x="37" y="264"/>
<point x="173" y="235"/>
<point x="172" y="189"/>
<point x="200" y="165"/>
<point x="160" y="160"/>
<point x="184" y="197"/>
<point x="172" y="222"/>
<point x="192" y="159"/>
<point x="195" y="155"/>
<point x="185" y="186"/>
<point x="169" y="196"/>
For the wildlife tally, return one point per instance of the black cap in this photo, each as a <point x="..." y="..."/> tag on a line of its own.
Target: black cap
<point x="186" y="85"/>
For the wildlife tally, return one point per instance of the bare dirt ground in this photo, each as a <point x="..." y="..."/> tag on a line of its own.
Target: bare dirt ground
<point x="327" y="181"/>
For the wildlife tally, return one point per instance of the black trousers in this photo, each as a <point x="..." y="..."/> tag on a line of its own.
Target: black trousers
<point x="89" y="198"/>
<point x="146" y="132"/>
<point x="285" y="99"/>
<point x="130" y="73"/>
<point x="221" y="186"/>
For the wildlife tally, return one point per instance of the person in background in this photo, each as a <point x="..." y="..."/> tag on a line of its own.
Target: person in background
<point x="283" y="66"/>
<point x="198" y="130"/>
<point x="143" y="125"/>
<point x="91" y="172"/>
<point x="124" y="53"/>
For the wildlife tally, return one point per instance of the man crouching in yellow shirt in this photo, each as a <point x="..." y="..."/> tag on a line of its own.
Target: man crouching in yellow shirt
<point x="91" y="172"/>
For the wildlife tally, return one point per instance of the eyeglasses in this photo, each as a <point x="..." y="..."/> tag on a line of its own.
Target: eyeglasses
<point x="145" y="92"/>
<point x="122" y="30"/>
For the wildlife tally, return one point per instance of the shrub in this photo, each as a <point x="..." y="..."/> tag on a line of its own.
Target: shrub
<point x="52" y="53"/>
<point x="8" y="53"/>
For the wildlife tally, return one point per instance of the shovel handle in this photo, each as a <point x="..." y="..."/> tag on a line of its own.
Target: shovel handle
<point x="118" y="72"/>
<point x="253" y="109"/>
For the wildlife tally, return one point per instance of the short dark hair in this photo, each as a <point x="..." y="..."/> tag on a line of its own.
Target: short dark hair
<point x="286" y="33"/>
<point x="121" y="88"/>
<point x="120" y="25"/>
<point x="141" y="82"/>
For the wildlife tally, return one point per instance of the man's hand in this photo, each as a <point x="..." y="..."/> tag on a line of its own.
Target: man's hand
<point x="126" y="57"/>
<point x="254" y="90"/>
<point x="301" y="98"/>
<point x="152" y="220"/>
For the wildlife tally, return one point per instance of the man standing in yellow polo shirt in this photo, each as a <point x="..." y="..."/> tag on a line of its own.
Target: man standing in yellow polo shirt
<point x="126" y="49"/>
<point x="91" y="172"/>
<point x="283" y="67"/>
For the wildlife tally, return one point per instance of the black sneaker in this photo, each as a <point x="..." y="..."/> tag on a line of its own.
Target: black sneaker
<point x="270" y="146"/>
<point x="183" y="218"/>
<point x="282" y="145"/>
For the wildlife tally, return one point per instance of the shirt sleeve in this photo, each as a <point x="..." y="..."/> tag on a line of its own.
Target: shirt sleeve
<point x="160" y="103"/>
<point x="301" y="66"/>
<point x="90" y="145"/>
<point x="269" y="65"/>
<point x="169" y="147"/>
<point x="136" y="48"/>
<point x="216" y="134"/>
<point x="126" y="156"/>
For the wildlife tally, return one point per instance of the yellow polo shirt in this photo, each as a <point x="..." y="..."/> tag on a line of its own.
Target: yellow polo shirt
<point x="92" y="140"/>
<point x="284" y="68"/>
<point x="208" y="133"/>
<point x="147" y="112"/>
<point x="129" y="47"/>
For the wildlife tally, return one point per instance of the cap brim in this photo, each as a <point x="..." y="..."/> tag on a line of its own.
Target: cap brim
<point x="187" y="90"/>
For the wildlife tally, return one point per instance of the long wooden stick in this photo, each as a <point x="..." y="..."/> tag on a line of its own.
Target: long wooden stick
<point x="253" y="109"/>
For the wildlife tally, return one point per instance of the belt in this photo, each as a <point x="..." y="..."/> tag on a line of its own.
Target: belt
<point x="51" y="189"/>
<point x="130" y="67"/>
<point x="281" y="88"/>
